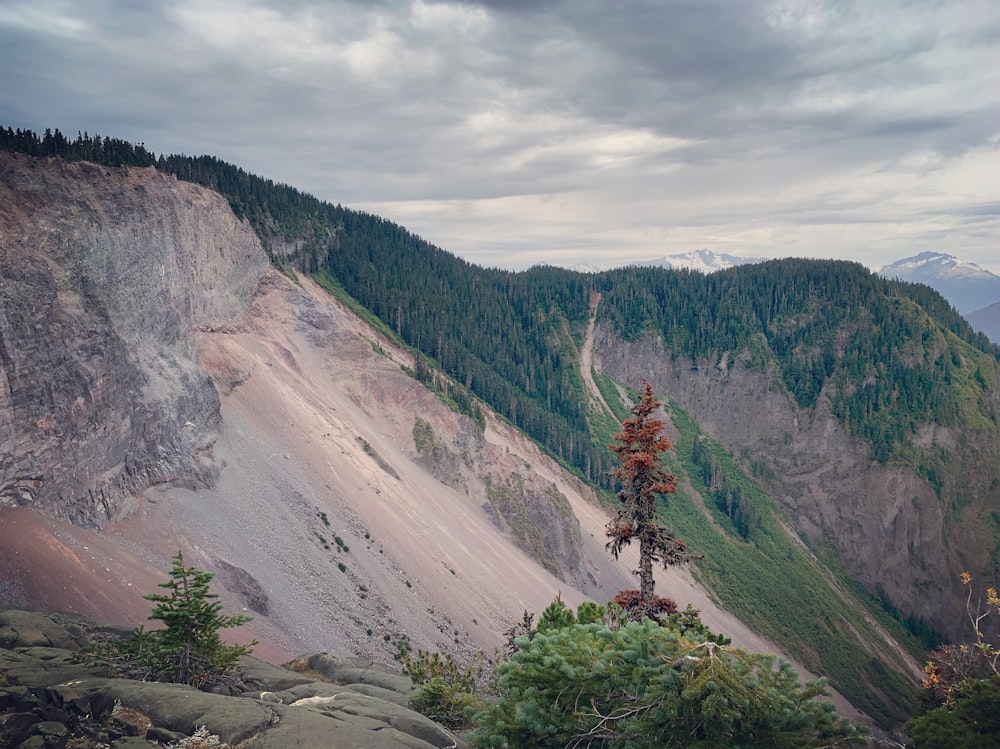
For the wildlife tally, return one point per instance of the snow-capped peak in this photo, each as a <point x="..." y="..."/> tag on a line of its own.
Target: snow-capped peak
<point x="933" y="264"/>
<point x="966" y="285"/>
<point x="703" y="261"/>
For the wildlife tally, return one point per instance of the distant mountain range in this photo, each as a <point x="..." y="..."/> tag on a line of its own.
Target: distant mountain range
<point x="703" y="261"/>
<point x="987" y="321"/>
<point x="973" y="290"/>
<point x="967" y="286"/>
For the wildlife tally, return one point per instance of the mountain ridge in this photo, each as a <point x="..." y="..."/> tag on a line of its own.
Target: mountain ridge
<point x="553" y="311"/>
<point x="966" y="285"/>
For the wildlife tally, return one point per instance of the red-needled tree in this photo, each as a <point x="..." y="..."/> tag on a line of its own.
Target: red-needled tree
<point x="638" y="447"/>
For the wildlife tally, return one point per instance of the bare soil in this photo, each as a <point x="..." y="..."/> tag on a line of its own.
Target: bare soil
<point x="316" y="445"/>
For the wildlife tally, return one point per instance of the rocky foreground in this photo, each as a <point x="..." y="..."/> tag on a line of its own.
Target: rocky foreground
<point x="48" y="700"/>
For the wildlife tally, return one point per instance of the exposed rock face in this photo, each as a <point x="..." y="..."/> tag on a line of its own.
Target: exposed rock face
<point x="885" y="522"/>
<point x="103" y="272"/>
<point x="48" y="700"/>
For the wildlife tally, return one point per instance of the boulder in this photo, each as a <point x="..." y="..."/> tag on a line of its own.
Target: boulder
<point x="49" y="699"/>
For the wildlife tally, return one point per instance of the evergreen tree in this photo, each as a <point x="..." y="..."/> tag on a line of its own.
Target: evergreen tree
<point x="188" y="649"/>
<point x="556" y="616"/>
<point x="647" y="686"/>
<point x="638" y="449"/>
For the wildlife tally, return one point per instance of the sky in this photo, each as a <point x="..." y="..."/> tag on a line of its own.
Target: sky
<point x="558" y="131"/>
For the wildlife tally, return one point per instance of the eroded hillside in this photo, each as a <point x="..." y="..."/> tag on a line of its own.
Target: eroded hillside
<point x="262" y="428"/>
<point x="104" y="274"/>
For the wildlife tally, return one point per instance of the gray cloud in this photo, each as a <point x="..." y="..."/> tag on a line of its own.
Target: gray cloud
<point x="565" y="131"/>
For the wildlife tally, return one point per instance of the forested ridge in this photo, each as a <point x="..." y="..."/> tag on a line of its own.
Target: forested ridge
<point x="885" y="357"/>
<point x="895" y="355"/>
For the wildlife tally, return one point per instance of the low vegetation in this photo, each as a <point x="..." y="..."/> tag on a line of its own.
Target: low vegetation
<point x="446" y="692"/>
<point x="962" y="687"/>
<point x="651" y="684"/>
<point x="603" y="677"/>
<point x="189" y="647"/>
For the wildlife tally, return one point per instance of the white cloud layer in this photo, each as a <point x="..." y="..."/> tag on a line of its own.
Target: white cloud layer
<point x="560" y="131"/>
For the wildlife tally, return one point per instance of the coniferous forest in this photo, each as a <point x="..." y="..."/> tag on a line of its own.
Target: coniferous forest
<point x="884" y="357"/>
<point x="897" y="353"/>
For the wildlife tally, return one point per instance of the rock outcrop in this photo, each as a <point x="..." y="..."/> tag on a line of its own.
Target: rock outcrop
<point x="531" y="510"/>
<point x="47" y="699"/>
<point x="103" y="273"/>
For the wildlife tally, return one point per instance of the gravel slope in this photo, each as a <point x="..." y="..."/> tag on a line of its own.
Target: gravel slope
<point x="316" y="444"/>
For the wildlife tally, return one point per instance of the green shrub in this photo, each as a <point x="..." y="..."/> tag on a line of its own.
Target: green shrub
<point x="556" y="616"/>
<point x="189" y="649"/>
<point x="446" y="691"/>
<point x="650" y="685"/>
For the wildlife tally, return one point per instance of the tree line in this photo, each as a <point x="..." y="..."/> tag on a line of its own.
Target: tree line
<point x="887" y="356"/>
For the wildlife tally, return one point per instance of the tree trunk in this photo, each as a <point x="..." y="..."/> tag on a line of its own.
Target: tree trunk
<point x="646" y="591"/>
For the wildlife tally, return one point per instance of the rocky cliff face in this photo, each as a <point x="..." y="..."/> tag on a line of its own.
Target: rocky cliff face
<point x="884" y="522"/>
<point x="103" y="273"/>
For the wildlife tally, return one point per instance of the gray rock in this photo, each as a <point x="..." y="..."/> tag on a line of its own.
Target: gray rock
<point x="22" y="629"/>
<point x="15" y="727"/>
<point x="346" y="671"/>
<point x="48" y="698"/>
<point x="89" y="377"/>
<point x="47" y="734"/>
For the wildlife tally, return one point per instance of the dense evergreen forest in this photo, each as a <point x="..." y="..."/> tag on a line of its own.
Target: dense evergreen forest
<point x="888" y="355"/>
<point x="895" y="354"/>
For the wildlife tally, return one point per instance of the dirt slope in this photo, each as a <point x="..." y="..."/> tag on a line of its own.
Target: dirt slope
<point x="316" y="424"/>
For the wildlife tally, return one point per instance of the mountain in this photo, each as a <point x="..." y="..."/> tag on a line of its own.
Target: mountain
<point x="375" y="439"/>
<point x="987" y="321"/>
<point x="966" y="285"/>
<point x="164" y="386"/>
<point x="703" y="261"/>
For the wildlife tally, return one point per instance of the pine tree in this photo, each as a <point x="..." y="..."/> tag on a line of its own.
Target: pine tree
<point x="649" y="685"/>
<point x="189" y="649"/>
<point x="638" y="449"/>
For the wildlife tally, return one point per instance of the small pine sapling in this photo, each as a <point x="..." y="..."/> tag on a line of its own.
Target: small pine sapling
<point x="188" y="649"/>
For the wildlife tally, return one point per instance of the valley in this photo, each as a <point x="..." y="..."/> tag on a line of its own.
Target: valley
<point x="420" y="456"/>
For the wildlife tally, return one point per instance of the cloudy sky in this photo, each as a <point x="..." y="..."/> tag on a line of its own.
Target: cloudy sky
<point x="559" y="131"/>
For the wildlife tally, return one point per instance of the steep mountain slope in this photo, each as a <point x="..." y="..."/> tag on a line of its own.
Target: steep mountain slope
<point x="873" y="418"/>
<point x="807" y="372"/>
<point x="349" y="506"/>
<point x="966" y="285"/>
